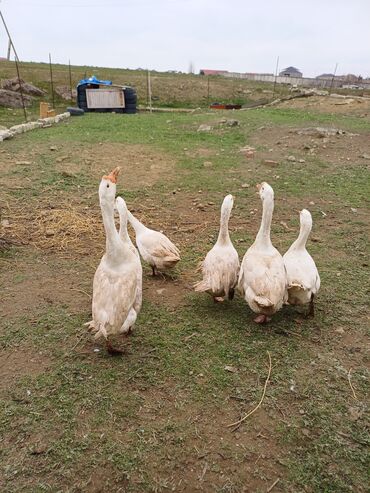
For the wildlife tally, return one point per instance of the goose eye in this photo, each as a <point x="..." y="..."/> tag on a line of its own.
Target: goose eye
<point x="107" y="185"/>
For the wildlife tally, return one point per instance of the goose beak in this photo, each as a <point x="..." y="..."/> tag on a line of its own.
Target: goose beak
<point x="258" y="186"/>
<point x="113" y="175"/>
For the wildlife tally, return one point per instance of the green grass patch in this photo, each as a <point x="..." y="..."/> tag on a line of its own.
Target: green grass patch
<point x="84" y="420"/>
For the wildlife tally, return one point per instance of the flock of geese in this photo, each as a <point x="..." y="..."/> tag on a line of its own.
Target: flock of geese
<point x="265" y="278"/>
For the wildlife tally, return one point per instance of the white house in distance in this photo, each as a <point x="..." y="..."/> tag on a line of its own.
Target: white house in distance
<point x="291" y="72"/>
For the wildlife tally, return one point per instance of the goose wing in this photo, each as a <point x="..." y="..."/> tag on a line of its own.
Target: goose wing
<point x="264" y="278"/>
<point x="114" y="295"/>
<point x="220" y="270"/>
<point x="158" y="245"/>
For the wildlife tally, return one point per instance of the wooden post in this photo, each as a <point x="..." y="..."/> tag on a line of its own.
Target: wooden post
<point x="51" y="81"/>
<point x="16" y="59"/>
<point x="332" y="79"/>
<point x="276" y="71"/>
<point x="149" y="92"/>
<point x="147" y="88"/>
<point x="70" y="78"/>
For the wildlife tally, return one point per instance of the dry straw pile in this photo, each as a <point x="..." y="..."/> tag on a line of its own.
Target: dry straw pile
<point x="68" y="228"/>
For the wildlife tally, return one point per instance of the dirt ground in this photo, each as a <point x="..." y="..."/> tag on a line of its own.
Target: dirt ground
<point x="335" y="103"/>
<point x="52" y="269"/>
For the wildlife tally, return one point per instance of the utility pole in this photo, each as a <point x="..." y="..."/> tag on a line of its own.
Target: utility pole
<point x="276" y="72"/>
<point x="9" y="50"/>
<point x="332" y="79"/>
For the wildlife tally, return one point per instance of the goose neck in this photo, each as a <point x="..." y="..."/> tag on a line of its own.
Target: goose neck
<point x="304" y="233"/>
<point x="223" y="235"/>
<point x="135" y="223"/>
<point x="264" y="233"/>
<point x="112" y="241"/>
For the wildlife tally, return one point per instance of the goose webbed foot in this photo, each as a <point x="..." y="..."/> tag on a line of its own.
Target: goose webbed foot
<point x="90" y="325"/>
<point x="113" y="351"/>
<point x="218" y="299"/>
<point x="262" y="319"/>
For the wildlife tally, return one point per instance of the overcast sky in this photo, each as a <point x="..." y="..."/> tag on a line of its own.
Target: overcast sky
<point x="234" y="35"/>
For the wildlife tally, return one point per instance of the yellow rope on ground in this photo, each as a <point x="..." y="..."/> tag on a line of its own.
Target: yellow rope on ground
<point x="240" y="421"/>
<point x="350" y="384"/>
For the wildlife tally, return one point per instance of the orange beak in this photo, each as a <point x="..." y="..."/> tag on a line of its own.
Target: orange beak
<point x="258" y="186"/>
<point x="113" y="175"/>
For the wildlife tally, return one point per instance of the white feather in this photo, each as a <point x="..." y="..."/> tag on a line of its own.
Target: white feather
<point x="155" y="248"/>
<point x="220" y="268"/>
<point x="262" y="278"/>
<point x="302" y="274"/>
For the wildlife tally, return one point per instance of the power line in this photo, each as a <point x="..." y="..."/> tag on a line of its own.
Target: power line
<point x="73" y="4"/>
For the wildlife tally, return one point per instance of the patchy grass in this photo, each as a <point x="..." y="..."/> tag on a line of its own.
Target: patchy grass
<point x="168" y="89"/>
<point x="74" y="419"/>
<point x="171" y="90"/>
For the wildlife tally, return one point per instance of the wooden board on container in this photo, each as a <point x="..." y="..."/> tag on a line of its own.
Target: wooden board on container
<point x="44" y="108"/>
<point x="107" y="97"/>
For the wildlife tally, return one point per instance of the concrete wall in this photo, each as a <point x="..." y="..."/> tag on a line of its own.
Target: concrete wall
<point x="299" y="81"/>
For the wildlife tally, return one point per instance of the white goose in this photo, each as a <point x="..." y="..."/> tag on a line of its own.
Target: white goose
<point x="220" y="268"/>
<point x="155" y="248"/>
<point x="262" y="278"/>
<point x="123" y="233"/>
<point x="302" y="273"/>
<point x="115" y="287"/>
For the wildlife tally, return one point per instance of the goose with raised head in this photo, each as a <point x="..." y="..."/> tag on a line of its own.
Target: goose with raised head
<point x="155" y="248"/>
<point x="302" y="274"/>
<point x="220" y="268"/>
<point x="123" y="233"/>
<point x="115" y="286"/>
<point x="262" y="278"/>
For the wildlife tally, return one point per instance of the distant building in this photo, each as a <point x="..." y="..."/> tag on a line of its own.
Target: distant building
<point x="351" y="78"/>
<point x="291" y="72"/>
<point x="205" y="71"/>
<point x="325" y="76"/>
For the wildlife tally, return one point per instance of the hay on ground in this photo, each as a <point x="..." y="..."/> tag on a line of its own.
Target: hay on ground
<point x="68" y="228"/>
